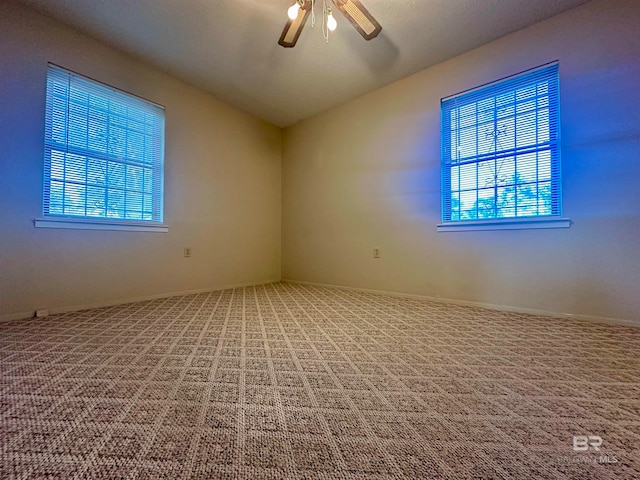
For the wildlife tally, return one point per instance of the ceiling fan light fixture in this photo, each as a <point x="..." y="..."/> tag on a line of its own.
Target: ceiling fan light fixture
<point x="294" y="26"/>
<point x="352" y="10"/>
<point x="331" y="21"/>
<point x="293" y="10"/>
<point x="359" y="17"/>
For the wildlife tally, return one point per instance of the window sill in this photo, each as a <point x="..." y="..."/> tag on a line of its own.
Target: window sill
<point x="522" y="223"/>
<point x="99" y="224"/>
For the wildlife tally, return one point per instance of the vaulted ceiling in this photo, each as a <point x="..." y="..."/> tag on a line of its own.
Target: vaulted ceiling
<point x="229" y="47"/>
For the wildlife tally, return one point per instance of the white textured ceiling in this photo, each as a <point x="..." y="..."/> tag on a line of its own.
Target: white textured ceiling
<point x="229" y="47"/>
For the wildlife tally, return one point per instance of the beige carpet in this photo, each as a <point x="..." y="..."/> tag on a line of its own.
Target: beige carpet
<point x="291" y="381"/>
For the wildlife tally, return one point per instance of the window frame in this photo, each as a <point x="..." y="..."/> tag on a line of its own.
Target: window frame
<point x="145" y="163"/>
<point x="488" y="92"/>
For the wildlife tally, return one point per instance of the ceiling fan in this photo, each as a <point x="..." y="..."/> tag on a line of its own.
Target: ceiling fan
<point x="353" y="10"/>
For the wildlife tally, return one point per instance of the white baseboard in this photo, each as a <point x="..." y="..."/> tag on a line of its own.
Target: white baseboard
<point x="7" y="317"/>
<point x="489" y="306"/>
<point x="503" y="308"/>
<point x="74" y="308"/>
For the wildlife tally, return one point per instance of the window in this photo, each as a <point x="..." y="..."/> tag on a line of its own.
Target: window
<point x="104" y="156"/>
<point x="500" y="154"/>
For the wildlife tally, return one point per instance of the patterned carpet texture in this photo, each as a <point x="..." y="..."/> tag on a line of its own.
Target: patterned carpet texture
<point x="291" y="381"/>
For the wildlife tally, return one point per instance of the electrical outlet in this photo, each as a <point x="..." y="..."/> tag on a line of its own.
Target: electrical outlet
<point x="187" y="252"/>
<point x="42" y="313"/>
<point x="376" y="252"/>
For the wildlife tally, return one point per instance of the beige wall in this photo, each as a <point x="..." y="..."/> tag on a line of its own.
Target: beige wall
<point x="222" y="185"/>
<point x="366" y="174"/>
<point x="363" y="175"/>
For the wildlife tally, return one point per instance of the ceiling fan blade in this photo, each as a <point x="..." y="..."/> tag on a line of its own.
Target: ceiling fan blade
<point x="293" y="28"/>
<point x="360" y="17"/>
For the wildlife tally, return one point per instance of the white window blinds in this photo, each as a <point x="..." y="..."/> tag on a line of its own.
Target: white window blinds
<point x="500" y="149"/>
<point x="104" y="152"/>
